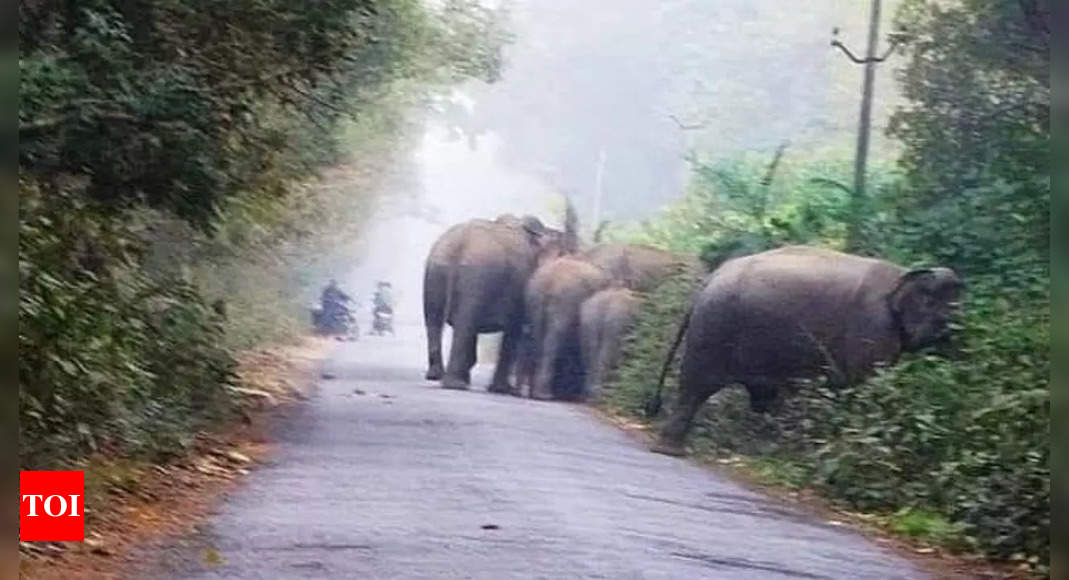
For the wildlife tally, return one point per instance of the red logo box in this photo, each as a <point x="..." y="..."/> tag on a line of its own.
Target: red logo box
<point x="51" y="506"/>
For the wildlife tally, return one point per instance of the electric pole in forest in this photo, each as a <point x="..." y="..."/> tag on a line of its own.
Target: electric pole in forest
<point x="857" y="199"/>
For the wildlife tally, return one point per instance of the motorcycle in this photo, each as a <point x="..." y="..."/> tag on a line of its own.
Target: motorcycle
<point x="382" y="323"/>
<point x="336" y="321"/>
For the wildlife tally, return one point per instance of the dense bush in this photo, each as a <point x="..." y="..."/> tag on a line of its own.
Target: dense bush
<point x="110" y="359"/>
<point x="168" y="151"/>
<point x="956" y="447"/>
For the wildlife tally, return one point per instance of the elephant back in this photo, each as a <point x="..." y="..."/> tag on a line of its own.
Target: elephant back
<point x="637" y="266"/>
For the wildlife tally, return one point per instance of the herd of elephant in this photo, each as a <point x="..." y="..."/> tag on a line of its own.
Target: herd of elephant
<point x="760" y="320"/>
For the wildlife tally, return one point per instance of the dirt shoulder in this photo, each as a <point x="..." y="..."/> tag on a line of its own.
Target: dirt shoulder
<point x="940" y="562"/>
<point x="130" y="503"/>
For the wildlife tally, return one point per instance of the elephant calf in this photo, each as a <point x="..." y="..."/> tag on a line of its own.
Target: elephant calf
<point x="799" y="312"/>
<point x="604" y="319"/>
<point x="554" y="295"/>
<point x="638" y="267"/>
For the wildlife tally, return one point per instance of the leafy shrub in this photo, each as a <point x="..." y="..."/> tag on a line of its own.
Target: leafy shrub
<point x="166" y="149"/>
<point x="109" y="359"/>
<point x="954" y="449"/>
<point x="964" y="438"/>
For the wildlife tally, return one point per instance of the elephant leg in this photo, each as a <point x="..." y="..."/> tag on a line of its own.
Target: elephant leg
<point x="525" y="363"/>
<point x="570" y="373"/>
<point x="604" y="362"/>
<point x="694" y="390"/>
<point x="461" y="357"/>
<point x="506" y="360"/>
<point x="435" y="368"/>
<point x="546" y="365"/>
<point x="591" y="349"/>
<point x="434" y="301"/>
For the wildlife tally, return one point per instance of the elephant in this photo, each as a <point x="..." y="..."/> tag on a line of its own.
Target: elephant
<point x="604" y="319"/>
<point x="639" y="267"/>
<point x="555" y="294"/>
<point x="474" y="280"/>
<point x="800" y="312"/>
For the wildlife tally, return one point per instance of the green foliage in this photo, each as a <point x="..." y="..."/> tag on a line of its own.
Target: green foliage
<point x="952" y="449"/>
<point x="735" y="208"/>
<point x="655" y="327"/>
<point x="917" y="523"/>
<point x="109" y="359"/>
<point x="960" y="443"/>
<point x="967" y="438"/>
<point x="978" y="84"/>
<point x="963" y="441"/>
<point x="169" y="150"/>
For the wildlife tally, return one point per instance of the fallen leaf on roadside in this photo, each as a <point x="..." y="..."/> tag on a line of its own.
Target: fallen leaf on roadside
<point x="211" y="556"/>
<point x="238" y="457"/>
<point x="96" y="545"/>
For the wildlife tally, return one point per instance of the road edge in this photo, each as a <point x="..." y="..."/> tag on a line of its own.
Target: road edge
<point x="147" y="502"/>
<point x="937" y="561"/>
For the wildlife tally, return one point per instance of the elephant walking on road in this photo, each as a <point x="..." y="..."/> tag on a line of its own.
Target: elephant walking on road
<point x="799" y="312"/>
<point x="604" y="320"/>
<point x="555" y="294"/>
<point x="474" y="281"/>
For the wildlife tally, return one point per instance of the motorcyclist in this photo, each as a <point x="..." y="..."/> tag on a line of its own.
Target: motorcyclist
<point x="333" y="305"/>
<point x="382" y="308"/>
<point x="383" y="302"/>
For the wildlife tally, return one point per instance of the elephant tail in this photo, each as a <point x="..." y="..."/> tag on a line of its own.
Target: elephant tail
<point x="653" y="404"/>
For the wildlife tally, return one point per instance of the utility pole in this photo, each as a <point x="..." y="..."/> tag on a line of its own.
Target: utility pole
<point x="857" y="199"/>
<point x="599" y="172"/>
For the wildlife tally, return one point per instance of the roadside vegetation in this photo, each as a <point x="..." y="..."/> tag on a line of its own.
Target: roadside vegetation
<point x="953" y="449"/>
<point x="170" y="211"/>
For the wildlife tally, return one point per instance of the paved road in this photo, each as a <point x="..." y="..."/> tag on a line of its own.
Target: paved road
<point x="410" y="481"/>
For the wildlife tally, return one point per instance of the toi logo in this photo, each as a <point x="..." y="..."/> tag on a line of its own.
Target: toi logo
<point x="51" y="506"/>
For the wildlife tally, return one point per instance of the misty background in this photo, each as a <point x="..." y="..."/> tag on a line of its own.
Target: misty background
<point x="643" y="83"/>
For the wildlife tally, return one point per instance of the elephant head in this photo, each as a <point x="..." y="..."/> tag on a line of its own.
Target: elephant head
<point x="923" y="303"/>
<point x="550" y="243"/>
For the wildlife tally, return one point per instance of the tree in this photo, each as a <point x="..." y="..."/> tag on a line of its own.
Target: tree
<point x="977" y="126"/>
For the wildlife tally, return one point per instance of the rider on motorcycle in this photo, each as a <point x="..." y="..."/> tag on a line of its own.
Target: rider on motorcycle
<point x="382" y="308"/>
<point x="333" y="302"/>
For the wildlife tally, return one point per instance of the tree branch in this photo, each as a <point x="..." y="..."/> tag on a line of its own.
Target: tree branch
<point x="685" y="126"/>
<point x="894" y="44"/>
<point x="766" y="181"/>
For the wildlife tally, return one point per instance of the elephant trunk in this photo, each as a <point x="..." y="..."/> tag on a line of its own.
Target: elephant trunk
<point x="571" y="227"/>
<point x="653" y="405"/>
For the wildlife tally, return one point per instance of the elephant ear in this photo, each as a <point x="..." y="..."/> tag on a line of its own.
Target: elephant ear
<point x="908" y="286"/>
<point x="533" y="226"/>
<point x="922" y="303"/>
<point x="937" y="283"/>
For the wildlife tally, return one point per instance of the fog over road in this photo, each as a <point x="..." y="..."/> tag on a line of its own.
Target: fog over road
<point x="383" y="475"/>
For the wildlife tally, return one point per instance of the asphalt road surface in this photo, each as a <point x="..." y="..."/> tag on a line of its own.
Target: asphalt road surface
<point x="384" y="475"/>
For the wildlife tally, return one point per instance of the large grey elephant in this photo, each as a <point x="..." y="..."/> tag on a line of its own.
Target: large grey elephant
<point x="555" y="294"/>
<point x="604" y="319"/>
<point x="639" y="267"/>
<point x="474" y="281"/>
<point x="799" y="312"/>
